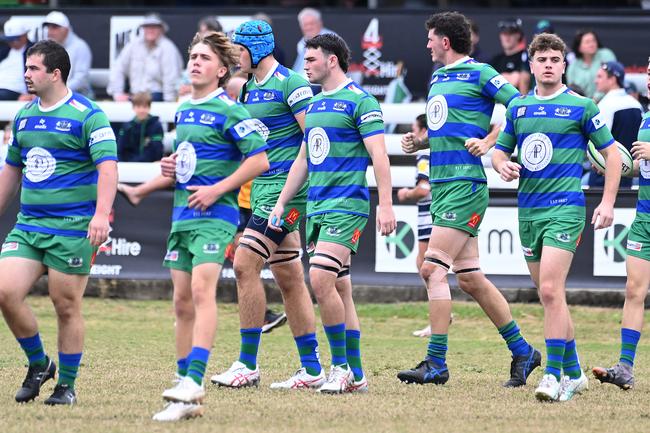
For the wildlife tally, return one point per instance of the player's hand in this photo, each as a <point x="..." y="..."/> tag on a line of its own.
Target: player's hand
<point x="275" y="218"/>
<point x="386" y="223"/>
<point x="98" y="229"/>
<point x="203" y="196"/>
<point x="168" y="166"/>
<point x="403" y="194"/>
<point x="477" y="146"/>
<point x="641" y="150"/>
<point x="409" y="143"/>
<point x="603" y="216"/>
<point x="509" y="171"/>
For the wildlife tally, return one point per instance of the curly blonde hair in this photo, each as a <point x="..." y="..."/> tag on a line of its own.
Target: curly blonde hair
<point x="221" y="45"/>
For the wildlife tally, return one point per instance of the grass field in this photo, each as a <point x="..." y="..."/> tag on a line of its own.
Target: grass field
<point x="129" y="360"/>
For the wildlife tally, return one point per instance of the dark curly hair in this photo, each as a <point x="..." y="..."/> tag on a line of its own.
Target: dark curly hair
<point x="454" y="26"/>
<point x="332" y="44"/>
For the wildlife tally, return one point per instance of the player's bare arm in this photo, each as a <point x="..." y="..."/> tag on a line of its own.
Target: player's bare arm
<point x="377" y="149"/>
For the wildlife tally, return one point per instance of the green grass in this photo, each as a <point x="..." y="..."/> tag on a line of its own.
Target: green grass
<point x="129" y="360"/>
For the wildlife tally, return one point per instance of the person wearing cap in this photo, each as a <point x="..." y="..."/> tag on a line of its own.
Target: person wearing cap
<point x="589" y="56"/>
<point x="13" y="56"/>
<point x="621" y="113"/>
<point x="59" y="30"/>
<point x="311" y="24"/>
<point x="512" y="63"/>
<point x="278" y="97"/>
<point x="151" y="63"/>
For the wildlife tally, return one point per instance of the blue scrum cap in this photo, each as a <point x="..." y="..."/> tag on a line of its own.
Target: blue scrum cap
<point x="257" y="37"/>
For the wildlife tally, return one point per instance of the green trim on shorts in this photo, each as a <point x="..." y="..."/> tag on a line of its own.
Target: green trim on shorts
<point x="638" y="240"/>
<point x="336" y="227"/>
<point x="536" y="234"/>
<point x="264" y="196"/>
<point x="65" y="254"/>
<point x="459" y="204"/>
<point x="188" y="249"/>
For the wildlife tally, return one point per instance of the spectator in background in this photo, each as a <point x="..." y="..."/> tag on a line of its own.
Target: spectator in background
<point x="12" y="61"/>
<point x="60" y="31"/>
<point x="476" y="53"/>
<point x="512" y="63"/>
<point x="151" y="63"/>
<point x="589" y="54"/>
<point x="206" y="24"/>
<point x="140" y="140"/>
<point x="311" y="24"/>
<point x="621" y="113"/>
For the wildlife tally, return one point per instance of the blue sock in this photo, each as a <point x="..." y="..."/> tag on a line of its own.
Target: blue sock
<point x="336" y="337"/>
<point x="33" y="348"/>
<point x="629" y="340"/>
<point x="437" y="349"/>
<point x="308" y="350"/>
<point x="570" y="361"/>
<point x="513" y="338"/>
<point x="554" y="356"/>
<point x="250" y="344"/>
<point x="68" y="368"/>
<point x="197" y="361"/>
<point x="353" y="352"/>
<point x="182" y="367"/>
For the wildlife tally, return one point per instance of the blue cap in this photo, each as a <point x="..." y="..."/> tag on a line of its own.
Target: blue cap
<point x="616" y="69"/>
<point x="257" y="37"/>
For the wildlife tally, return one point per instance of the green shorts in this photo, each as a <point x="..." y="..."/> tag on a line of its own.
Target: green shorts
<point x="265" y="196"/>
<point x="336" y="227"/>
<point x="549" y="232"/>
<point x="190" y="248"/>
<point x="66" y="254"/>
<point x="459" y="204"/>
<point x="638" y="240"/>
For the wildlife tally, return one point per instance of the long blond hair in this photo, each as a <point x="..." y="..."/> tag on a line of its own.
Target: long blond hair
<point x="220" y="44"/>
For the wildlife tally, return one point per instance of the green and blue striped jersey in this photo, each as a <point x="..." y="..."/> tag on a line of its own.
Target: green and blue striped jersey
<point x="212" y="136"/>
<point x="643" y="203"/>
<point x="336" y="124"/>
<point x="274" y="102"/>
<point x="58" y="149"/>
<point x="459" y="106"/>
<point x="551" y="135"/>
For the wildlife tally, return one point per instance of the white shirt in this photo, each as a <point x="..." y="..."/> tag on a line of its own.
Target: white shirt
<point x="616" y="100"/>
<point x="12" y="71"/>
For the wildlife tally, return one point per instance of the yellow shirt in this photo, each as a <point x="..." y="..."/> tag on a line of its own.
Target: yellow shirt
<point x="244" y="198"/>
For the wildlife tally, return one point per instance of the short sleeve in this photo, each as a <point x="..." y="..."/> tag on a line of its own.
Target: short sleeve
<point x="368" y="117"/>
<point x="495" y="86"/>
<point x="99" y="137"/>
<point x="242" y="131"/>
<point x="298" y="93"/>
<point x="595" y="128"/>
<point x="507" y="141"/>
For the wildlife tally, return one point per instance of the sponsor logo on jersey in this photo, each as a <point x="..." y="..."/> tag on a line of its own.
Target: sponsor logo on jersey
<point x="474" y="220"/>
<point x="536" y="151"/>
<point x="355" y="236"/>
<point x="528" y="252"/>
<point x="598" y="121"/>
<point x="446" y="77"/>
<point x="340" y="106"/>
<point x="245" y="127"/>
<point x="190" y="117"/>
<point x="521" y="111"/>
<point x="78" y="105"/>
<point x="541" y="111"/>
<point x="10" y="246"/>
<point x="463" y="76"/>
<point x="171" y="256"/>
<point x="22" y="124"/>
<point x="211" y="248"/>
<point x="39" y="164"/>
<point x="300" y="94"/>
<point x="333" y="232"/>
<point x="207" y="118"/>
<point x="41" y="124"/>
<point x="102" y="134"/>
<point x="449" y="216"/>
<point x="268" y="96"/>
<point x="323" y="106"/>
<point x="373" y="116"/>
<point x="292" y="216"/>
<point x="631" y="245"/>
<point x="563" y="237"/>
<point x="562" y="112"/>
<point x="498" y="81"/>
<point x="63" y="126"/>
<point x="75" y="262"/>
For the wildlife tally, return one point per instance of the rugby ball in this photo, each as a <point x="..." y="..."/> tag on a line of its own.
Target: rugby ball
<point x="598" y="160"/>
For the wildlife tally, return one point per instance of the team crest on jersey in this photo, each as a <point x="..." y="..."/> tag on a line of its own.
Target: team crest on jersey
<point x="268" y="96"/>
<point x="598" y="121"/>
<point x="536" y="151"/>
<point x="39" y="164"/>
<point x="319" y="145"/>
<point x="449" y="216"/>
<point x="333" y="232"/>
<point x="437" y="112"/>
<point x="563" y="237"/>
<point x="498" y="81"/>
<point x="41" y="124"/>
<point x="528" y="252"/>
<point x="563" y="112"/>
<point x="207" y="118"/>
<point x="340" y="106"/>
<point x="644" y="168"/>
<point x="171" y="256"/>
<point x="75" y="262"/>
<point x="211" y="248"/>
<point x="541" y="111"/>
<point x="631" y="245"/>
<point x="521" y="112"/>
<point x="22" y="124"/>
<point x="63" y="126"/>
<point x="9" y="246"/>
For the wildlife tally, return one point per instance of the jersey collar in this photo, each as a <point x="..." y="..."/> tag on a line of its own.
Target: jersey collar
<point x="457" y="62"/>
<point x="268" y="75"/>
<point x="340" y="86"/>
<point x="65" y="99"/>
<point x="544" y="98"/>
<point x="212" y="95"/>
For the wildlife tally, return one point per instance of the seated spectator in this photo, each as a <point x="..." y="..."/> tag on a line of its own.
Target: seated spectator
<point x="59" y="30"/>
<point x="13" y="56"/>
<point x="512" y="63"/>
<point x="140" y="140"/>
<point x="151" y="63"/>
<point x="621" y="113"/>
<point x="589" y="55"/>
<point x="311" y="24"/>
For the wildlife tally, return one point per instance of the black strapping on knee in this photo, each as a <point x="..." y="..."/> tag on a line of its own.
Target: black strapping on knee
<point x="260" y="243"/>
<point x="255" y="250"/>
<point x="325" y="268"/>
<point x="292" y="255"/>
<point x="464" y="271"/>
<point x="345" y="271"/>
<point x="327" y="256"/>
<point x="436" y="262"/>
